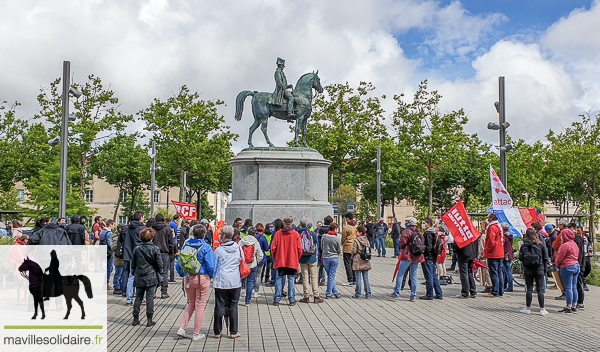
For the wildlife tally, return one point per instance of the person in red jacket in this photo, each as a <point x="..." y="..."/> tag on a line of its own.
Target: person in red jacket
<point x="286" y="248"/>
<point x="494" y="252"/>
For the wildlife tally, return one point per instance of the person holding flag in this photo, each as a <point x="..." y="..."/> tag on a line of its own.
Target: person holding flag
<point x="494" y="252"/>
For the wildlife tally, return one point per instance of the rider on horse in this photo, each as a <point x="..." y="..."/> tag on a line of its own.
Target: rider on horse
<point x="281" y="89"/>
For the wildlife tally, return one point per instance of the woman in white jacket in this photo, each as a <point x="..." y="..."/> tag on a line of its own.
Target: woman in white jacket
<point x="253" y="254"/>
<point x="227" y="283"/>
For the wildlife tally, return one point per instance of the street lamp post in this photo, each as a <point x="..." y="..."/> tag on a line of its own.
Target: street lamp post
<point x="501" y="126"/>
<point x="378" y="161"/>
<point x="153" y="169"/>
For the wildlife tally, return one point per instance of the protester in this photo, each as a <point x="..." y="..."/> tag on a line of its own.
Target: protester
<point x="380" y="230"/>
<point x="308" y="263"/>
<point x="17" y="229"/>
<point x="237" y="224"/>
<point x="163" y="239"/>
<point x="184" y="232"/>
<point x="50" y="235"/>
<point x="97" y="228"/>
<point x="586" y="266"/>
<point x="146" y="266"/>
<point x="508" y="257"/>
<point x="484" y="272"/>
<point x="118" y="262"/>
<point x="395" y="235"/>
<point x="268" y="267"/>
<point x="534" y="256"/>
<point x="580" y="241"/>
<point x="287" y="249"/>
<point x="441" y="257"/>
<point x="244" y="228"/>
<point x="494" y="252"/>
<point x="321" y="231"/>
<point x="412" y="249"/>
<point x="253" y="255"/>
<point x="429" y="265"/>
<point x="130" y="237"/>
<point x="332" y="248"/>
<point x="361" y="262"/>
<point x="567" y="262"/>
<point x="196" y="279"/>
<point x="348" y="237"/>
<point x="264" y="246"/>
<point x="277" y="225"/>
<point x="552" y="233"/>
<point x="465" y="257"/>
<point x="370" y="233"/>
<point x="544" y="240"/>
<point x="227" y="283"/>
<point x="173" y="224"/>
<point x="106" y="238"/>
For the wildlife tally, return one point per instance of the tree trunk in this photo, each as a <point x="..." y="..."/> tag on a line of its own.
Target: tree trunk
<point x="198" y="205"/>
<point x="82" y="180"/>
<point x="430" y="205"/>
<point x="118" y="203"/>
<point x="382" y="210"/>
<point x="132" y="208"/>
<point x="528" y="200"/>
<point x="393" y="201"/>
<point x="181" y="183"/>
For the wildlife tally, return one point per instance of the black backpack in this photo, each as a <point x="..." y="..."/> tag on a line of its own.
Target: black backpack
<point x="417" y="243"/>
<point x="438" y="246"/>
<point x="531" y="255"/>
<point x="119" y="251"/>
<point x="365" y="254"/>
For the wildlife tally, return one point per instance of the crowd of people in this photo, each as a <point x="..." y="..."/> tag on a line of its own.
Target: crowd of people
<point x="144" y="256"/>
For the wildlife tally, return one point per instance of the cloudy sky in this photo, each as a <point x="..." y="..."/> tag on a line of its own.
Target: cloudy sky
<point x="547" y="49"/>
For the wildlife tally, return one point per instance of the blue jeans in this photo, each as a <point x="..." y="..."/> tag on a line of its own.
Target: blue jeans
<point x="279" y="283"/>
<point x="497" y="276"/>
<point x="454" y="261"/>
<point x="508" y="278"/>
<point x="117" y="277"/>
<point x="125" y="277"/>
<point x="130" y="287"/>
<point x="380" y="244"/>
<point x="396" y="247"/>
<point x="249" y="281"/>
<point x="109" y="268"/>
<point x="330" y="265"/>
<point x="431" y="279"/>
<point x="365" y="278"/>
<point x="569" y="276"/>
<point x="274" y="275"/>
<point x="404" y="265"/>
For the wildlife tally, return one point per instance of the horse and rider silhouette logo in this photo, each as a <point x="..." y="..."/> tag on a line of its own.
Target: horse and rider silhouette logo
<point x="50" y="283"/>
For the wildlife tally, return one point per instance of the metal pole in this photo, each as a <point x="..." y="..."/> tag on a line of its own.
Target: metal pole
<point x="152" y="179"/>
<point x="378" y="183"/>
<point x="185" y="187"/>
<point x="64" y="138"/>
<point x="331" y="191"/>
<point x="502" y="118"/>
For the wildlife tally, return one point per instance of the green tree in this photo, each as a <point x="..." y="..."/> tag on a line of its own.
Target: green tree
<point x="344" y="196"/>
<point x="436" y="141"/>
<point x="9" y="200"/>
<point x="135" y="201"/>
<point x="346" y="124"/>
<point x="191" y="138"/>
<point x="96" y="114"/>
<point x="123" y="164"/>
<point x="573" y="157"/>
<point x="10" y="155"/>
<point x="526" y="165"/>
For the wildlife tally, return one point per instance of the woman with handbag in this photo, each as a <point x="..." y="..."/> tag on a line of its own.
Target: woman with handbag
<point x="146" y="264"/>
<point x="196" y="278"/>
<point x="227" y="282"/>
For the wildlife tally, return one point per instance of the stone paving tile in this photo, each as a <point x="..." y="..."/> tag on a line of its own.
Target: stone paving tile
<point x="375" y="324"/>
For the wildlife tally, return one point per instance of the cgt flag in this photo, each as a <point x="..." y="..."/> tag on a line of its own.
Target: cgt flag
<point x="460" y="225"/>
<point x="185" y="210"/>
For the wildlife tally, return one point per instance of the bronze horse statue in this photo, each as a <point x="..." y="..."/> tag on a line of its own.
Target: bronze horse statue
<point x="262" y="110"/>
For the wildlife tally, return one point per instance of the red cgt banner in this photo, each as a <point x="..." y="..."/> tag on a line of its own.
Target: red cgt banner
<point x="460" y="225"/>
<point x="185" y="210"/>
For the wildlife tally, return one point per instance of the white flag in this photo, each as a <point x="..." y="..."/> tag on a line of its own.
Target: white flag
<point x="500" y="197"/>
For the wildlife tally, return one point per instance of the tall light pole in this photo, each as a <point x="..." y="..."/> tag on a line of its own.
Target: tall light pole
<point x="64" y="137"/>
<point x="153" y="178"/>
<point x="501" y="126"/>
<point x="378" y="161"/>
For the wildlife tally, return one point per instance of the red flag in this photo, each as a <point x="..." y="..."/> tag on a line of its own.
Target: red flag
<point x="460" y="225"/>
<point x="185" y="210"/>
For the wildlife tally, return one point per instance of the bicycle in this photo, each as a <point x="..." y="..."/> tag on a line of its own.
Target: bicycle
<point x="518" y="272"/>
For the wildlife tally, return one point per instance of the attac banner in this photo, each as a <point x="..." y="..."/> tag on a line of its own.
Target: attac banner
<point x="185" y="210"/>
<point x="500" y="198"/>
<point x="460" y="225"/>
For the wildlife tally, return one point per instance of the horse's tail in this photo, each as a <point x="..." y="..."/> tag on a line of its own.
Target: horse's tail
<point x="87" y="284"/>
<point x="239" y="103"/>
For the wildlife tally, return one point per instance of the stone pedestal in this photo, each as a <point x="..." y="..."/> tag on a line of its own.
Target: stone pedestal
<point x="271" y="183"/>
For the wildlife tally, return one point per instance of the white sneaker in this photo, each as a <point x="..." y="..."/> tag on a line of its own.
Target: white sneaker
<point x="198" y="337"/>
<point x="181" y="333"/>
<point x="346" y="284"/>
<point x="544" y="312"/>
<point x="526" y="311"/>
<point x="256" y="295"/>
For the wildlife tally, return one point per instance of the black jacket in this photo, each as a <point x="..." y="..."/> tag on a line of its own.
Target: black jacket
<point x="430" y="236"/>
<point x="468" y="252"/>
<point x="552" y="237"/>
<point x="146" y="264"/>
<point x="543" y="267"/>
<point x="130" y="237"/>
<point x="50" y="235"/>
<point x="582" y="252"/>
<point x="76" y="231"/>
<point x="396" y="230"/>
<point x="163" y="237"/>
<point x="369" y="227"/>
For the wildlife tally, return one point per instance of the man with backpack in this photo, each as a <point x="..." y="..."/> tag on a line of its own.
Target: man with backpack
<point x="434" y="244"/>
<point x="494" y="252"/>
<point x="395" y="235"/>
<point x="348" y="237"/>
<point x="163" y="239"/>
<point x="412" y="245"/>
<point x="106" y="239"/>
<point x="286" y="248"/>
<point x="380" y="230"/>
<point x="253" y="254"/>
<point x="308" y="261"/>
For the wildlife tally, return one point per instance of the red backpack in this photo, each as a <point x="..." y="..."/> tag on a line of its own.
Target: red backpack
<point x="248" y="253"/>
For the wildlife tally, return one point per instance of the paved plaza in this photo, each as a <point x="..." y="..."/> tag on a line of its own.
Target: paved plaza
<point x="376" y="324"/>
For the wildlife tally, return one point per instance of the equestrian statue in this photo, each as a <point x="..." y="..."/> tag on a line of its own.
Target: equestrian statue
<point x="281" y="104"/>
